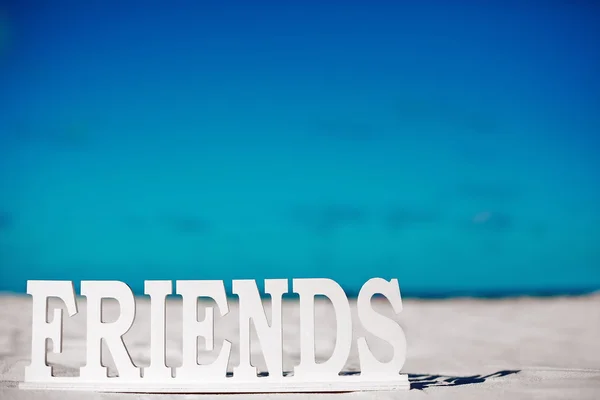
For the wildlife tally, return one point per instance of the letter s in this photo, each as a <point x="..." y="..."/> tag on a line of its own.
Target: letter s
<point x="382" y="327"/>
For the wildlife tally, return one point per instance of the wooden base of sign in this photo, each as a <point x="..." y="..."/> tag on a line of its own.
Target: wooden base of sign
<point x="354" y="383"/>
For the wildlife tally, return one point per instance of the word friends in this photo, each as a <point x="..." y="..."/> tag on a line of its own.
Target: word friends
<point x="191" y="377"/>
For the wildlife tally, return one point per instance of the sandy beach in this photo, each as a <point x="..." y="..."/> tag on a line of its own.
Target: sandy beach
<point x="545" y="348"/>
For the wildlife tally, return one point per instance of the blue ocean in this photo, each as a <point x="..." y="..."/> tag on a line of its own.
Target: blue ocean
<point x="453" y="145"/>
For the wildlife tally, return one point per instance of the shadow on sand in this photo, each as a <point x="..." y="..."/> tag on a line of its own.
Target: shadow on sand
<point x="424" y="381"/>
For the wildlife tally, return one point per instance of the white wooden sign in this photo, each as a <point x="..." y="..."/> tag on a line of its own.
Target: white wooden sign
<point x="308" y="376"/>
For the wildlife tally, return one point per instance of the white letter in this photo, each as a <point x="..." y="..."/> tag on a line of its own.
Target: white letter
<point x="382" y="327"/>
<point x="112" y="332"/>
<point x="308" y="289"/>
<point x="270" y="337"/>
<point x="38" y="370"/>
<point x="158" y="292"/>
<point x="192" y="329"/>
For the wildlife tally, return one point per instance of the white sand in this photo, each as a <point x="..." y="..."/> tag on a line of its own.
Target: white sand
<point x="553" y="343"/>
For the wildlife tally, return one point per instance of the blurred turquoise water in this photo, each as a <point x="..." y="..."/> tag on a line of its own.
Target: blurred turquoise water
<point x="451" y="146"/>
